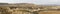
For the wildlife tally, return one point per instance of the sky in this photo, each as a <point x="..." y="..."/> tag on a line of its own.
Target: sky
<point x="32" y="1"/>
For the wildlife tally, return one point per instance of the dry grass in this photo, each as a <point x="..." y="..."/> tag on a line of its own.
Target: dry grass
<point x="50" y="12"/>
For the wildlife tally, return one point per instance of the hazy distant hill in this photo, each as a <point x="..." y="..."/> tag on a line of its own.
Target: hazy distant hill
<point x="3" y="3"/>
<point x="17" y="4"/>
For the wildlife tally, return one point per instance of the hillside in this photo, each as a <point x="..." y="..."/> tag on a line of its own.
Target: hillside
<point x="28" y="8"/>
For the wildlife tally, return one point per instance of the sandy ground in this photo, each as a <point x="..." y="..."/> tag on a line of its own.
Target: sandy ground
<point x="50" y="12"/>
